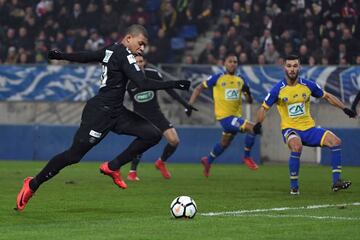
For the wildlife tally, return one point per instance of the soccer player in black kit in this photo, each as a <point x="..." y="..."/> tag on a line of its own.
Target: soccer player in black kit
<point x="146" y="104"/>
<point x="105" y="112"/>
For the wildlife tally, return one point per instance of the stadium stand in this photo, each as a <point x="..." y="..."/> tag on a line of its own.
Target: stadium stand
<point x="260" y="31"/>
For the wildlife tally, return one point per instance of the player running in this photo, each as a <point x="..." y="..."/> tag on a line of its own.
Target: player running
<point x="105" y="112"/>
<point x="146" y="104"/>
<point x="227" y="90"/>
<point x="292" y="98"/>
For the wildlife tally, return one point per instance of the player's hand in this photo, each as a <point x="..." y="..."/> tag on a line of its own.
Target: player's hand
<point x="189" y="109"/>
<point x="182" y="84"/>
<point x="55" y="54"/>
<point x="257" y="129"/>
<point x="349" y="112"/>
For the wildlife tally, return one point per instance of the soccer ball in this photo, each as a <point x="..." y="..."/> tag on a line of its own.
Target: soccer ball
<point x="183" y="207"/>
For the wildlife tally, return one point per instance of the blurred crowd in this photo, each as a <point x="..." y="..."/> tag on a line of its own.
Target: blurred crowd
<point x="259" y="31"/>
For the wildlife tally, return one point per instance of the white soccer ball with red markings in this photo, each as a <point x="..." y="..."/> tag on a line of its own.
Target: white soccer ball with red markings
<point x="183" y="207"/>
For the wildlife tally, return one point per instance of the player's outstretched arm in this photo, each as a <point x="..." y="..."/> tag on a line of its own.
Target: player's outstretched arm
<point x="196" y="93"/>
<point x="177" y="97"/>
<point x="339" y="104"/>
<point x="260" y="117"/>
<point x="355" y="102"/>
<point x="81" y="57"/>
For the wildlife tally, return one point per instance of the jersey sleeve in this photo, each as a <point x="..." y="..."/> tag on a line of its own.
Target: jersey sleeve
<point x="84" y="57"/>
<point x="133" y="72"/>
<point x="316" y="90"/>
<point x="271" y="97"/>
<point x="211" y="81"/>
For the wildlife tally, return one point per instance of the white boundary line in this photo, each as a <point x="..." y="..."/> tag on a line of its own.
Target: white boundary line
<point x="301" y="216"/>
<point x="239" y="212"/>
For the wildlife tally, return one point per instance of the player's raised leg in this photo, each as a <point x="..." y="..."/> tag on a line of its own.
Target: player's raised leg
<point x="173" y="141"/>
<point x="147" y="136"/>
<point x="334" y="143"/>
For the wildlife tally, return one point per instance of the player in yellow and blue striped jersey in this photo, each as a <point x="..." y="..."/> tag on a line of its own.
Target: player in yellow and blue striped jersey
<point x="292" y="98"/>
<point x="227" y="90"/>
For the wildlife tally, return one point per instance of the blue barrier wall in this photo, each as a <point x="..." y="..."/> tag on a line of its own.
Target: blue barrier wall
<point x="41" y="142"/>
<point x="350" y="138"/>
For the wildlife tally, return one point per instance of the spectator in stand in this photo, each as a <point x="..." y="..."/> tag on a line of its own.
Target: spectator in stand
<point x="351" y="44"/>
<point x="303" y="54"/>
<point x="95" y="42"/>
<point x="325" y="51"/>
<point x="243" y="58"/>
<point x="199" y="12"/>
<point x="209" y="49"/>
<point x="311" y="61"/>
<point x="109" y="20"/>
<point x="342" y="54"/>
<point x="271" y="55"/>
<point x="222" y="52"/>
<point x="168" y="19"/>
<point x="255" y="50"/>
<point x="261" y="59"/>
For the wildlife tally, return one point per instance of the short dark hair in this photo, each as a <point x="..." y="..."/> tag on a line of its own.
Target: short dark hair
<point x="230" y="54"/>
<point x="137" y="29"/>
<point x="292" y="57"/>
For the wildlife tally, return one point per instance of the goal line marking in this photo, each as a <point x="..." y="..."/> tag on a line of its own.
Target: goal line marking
<point x="261" y="210"/>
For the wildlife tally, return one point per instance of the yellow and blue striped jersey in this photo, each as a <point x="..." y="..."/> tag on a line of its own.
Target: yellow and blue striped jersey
<point x="226" y="94"/>
<point x="293" y="103"/>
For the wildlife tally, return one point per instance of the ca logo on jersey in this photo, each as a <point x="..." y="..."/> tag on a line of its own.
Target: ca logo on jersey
<point x="144" y="96"/>
<point x="296" y="109"/>
<point x="232" y="94"/>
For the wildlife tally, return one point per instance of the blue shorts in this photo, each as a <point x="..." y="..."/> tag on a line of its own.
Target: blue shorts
<point x="232" y="124"/>
<point x="312" y="137"/>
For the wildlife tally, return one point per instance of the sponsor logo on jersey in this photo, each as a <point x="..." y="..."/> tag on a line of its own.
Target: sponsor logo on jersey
<point x="95" y="134"/>
<point x="232" y="94"/>
<point x="144" y="96"/>
<point x="108" y="54"/>
<point x="131" y="59"/>
<point x="296" y="109"/>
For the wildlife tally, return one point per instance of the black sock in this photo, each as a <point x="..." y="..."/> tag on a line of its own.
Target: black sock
<point x="138" y="146"/>
<point x="50" y="170"/>
<point x="135" y="162"/>
<point x="168" y="151"/>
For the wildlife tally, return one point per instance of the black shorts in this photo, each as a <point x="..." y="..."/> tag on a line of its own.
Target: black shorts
<point x="97" y="121"/>
<point x="158" y="119"/>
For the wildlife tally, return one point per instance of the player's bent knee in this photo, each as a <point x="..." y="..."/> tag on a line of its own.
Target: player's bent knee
<point x="174" y="142"/>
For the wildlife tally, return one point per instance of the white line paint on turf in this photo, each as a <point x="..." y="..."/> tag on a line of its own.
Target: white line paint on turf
<point x="301" y="216"/>
<point x="279" y="209"/>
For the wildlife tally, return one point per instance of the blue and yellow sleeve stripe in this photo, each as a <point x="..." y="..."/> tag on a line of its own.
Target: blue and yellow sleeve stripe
<point x="204" y="84"/>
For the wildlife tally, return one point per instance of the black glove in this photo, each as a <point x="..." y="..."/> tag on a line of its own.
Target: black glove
<point x="349" y="112"/>
<point x="55" y="54"/>
<point x="257" y="129"/>
<point x="189" y="109"/>
<point x="182" y="84"/>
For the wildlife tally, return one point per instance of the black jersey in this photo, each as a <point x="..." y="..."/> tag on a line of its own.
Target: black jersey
<point x="118" y="67"/>
<point x="145" y="100"/>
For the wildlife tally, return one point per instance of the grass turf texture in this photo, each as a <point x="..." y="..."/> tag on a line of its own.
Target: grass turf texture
<point x="80" y="203"/>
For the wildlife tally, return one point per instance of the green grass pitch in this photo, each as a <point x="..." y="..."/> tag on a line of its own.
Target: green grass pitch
<point x="80" y="203"/>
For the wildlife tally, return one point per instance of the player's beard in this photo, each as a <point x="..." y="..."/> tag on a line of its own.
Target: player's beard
<point x="292" y="79"/>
